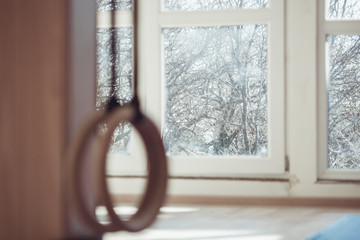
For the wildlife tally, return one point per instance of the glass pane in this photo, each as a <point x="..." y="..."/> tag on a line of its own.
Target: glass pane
<point x="123" y="62"/>
<point x="343" y="101"/>
<point x="196" y="5"/>
<point x="106" y="5"/>
<point x="216" y="90"/>
<point x="343" y="9"/>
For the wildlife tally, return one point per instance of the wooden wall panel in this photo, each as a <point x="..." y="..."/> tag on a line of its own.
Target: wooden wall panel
<point x="42" y="54"/>
<point x="9" y="119"/>
<point x="37" y="115"/>
<point x="32" y="118"/>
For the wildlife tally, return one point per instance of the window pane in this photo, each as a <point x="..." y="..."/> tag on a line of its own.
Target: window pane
<point x="194" y="5"/>
<point x="343" y="9"/>
<point x="216" y="90"/>
<point x="106" y="5"/>
<point x="123" y="61"/>
<point x="343" y="101"/>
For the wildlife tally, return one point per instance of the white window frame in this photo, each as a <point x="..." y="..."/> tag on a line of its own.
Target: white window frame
<point x="325" y="28"/>
<point x="151" y="23"/>
<point x="235" y="166"/>
<point x="303" y="111"/>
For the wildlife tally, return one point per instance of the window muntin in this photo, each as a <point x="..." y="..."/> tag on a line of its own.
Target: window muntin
<point x="201" y="5"/>
<point x="216" y="90"/>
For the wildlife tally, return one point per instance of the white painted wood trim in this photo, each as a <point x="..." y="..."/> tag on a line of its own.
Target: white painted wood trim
<point x="215" y="18"/>
<point x="326" y="28"/>
<point x="341" y="27"/>
<point x="234" y="188"/>
<point x="122" y="19"/>
<point x="322" y="92"/>
<point x="301" y="124"/>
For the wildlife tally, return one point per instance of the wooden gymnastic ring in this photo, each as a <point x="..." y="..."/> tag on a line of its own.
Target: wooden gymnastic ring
<point x="77" y="148"/>
<point x="155" y="192"/>
<point x="156" y="186"/>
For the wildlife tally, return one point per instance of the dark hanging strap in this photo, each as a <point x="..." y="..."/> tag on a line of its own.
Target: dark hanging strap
<point x="135" y="48"/>
<point x="113" y="102"/>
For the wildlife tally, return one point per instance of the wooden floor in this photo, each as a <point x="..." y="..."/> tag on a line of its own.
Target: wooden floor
<point x="191" y="222"/>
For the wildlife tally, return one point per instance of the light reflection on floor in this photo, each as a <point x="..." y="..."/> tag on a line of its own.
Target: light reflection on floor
<point x="192" y="235"/>
<point x="235" y="222"/>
